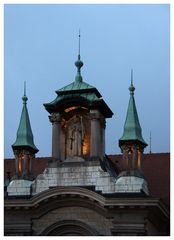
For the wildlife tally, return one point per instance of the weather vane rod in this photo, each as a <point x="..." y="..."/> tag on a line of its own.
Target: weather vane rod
<point x="131" y="76"/>
<point x="79" y="41"/>
<point x="24" y="88"/>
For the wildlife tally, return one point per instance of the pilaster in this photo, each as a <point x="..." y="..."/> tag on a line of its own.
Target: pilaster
<point x="103" y="138"/>
<point x="95" y="140"/>
<point x="134" y="158"/>
<point x="16" y="165"/>
<point x="56" y="125"/>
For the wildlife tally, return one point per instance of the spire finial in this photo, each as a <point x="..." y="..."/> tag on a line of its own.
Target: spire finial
<point x="131" y="76"/>
<point x="24" y="98"/>
<point x="24" y="88"/>
<point x="132" y="88"/>
<point x="79" y="42"/>
<point x="78" y="63"/>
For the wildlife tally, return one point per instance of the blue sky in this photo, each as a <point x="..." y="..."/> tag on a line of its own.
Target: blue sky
<point x="41" y="43"/>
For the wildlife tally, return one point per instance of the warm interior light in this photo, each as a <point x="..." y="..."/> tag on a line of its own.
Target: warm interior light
<point x="85" y="149"/>
<point x="73" y="108"/>
<point x="20" y="163"/>
<point x="139" y="160"/>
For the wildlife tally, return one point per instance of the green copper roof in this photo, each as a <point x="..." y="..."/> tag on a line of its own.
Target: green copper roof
<point x="78" y="85"/>
<point x="88" y="96"/>
<point x="78" y="92"/>
<point x="132" y="128"/>
<point x="24" y="134"/>
<point x="74" y="86"/>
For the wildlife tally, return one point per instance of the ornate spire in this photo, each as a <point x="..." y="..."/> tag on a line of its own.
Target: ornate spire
<point x="132" y="128"/>
<point x="132" y="88"/>
<point x="24" y="139"/>
<point x="24" y="98"/>
<point x="79" y="64"/>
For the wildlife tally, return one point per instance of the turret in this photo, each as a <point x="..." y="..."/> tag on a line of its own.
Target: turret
<point x="24" y="148"/>
<point x="78" y="116"/>
<point x="132" y="143"/>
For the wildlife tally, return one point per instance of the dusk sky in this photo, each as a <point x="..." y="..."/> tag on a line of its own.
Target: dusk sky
<point x="41" y="46"/>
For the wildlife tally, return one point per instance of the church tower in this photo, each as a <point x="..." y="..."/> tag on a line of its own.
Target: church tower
<point x="78" y="121"/>
<point x="132" y="146"/>
<point x="24" y="148"/>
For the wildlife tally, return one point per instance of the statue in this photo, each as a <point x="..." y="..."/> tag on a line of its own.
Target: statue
<point x="75" y="137"/>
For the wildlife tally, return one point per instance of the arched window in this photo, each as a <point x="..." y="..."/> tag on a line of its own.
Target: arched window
<point x="69" y="228"/>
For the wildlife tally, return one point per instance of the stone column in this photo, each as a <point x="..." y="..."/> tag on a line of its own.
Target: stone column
<point x="140" y="153"/>
<point x="103" y="138"/>
<point x="125" y="161"/>
<point x="62" y="141"/>
<point x="30" y="164"/>
<point x="134" y="158"/>
<point x="17" y="164"/>
<point x="56" y="147"/>
<point x="95" y="139"/>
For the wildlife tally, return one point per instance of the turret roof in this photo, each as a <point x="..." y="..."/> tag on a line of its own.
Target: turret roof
<point x="132" y="128"/>
<point x="78" y="92"/>
<point x="24" y="137"/>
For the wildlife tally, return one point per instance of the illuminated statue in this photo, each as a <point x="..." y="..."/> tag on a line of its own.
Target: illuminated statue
<point x="75" y="137"/>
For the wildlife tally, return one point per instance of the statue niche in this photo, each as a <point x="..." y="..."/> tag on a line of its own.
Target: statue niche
<point x="75" y="133"/>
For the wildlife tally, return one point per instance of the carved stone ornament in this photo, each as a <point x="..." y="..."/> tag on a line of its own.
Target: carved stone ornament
<point x="126" y="148"/>
<point x="94" y="115"/>
<point x="54" y="118"/>
<point x="22" y="151"/>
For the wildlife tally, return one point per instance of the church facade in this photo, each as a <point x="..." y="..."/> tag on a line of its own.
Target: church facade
<point x="81" y="192"/>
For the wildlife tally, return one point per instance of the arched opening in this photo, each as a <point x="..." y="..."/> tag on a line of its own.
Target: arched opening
<point x="69" y="228"/>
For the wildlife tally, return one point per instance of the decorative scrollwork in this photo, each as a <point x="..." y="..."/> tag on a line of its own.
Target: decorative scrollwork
<point x="55" y="118"/>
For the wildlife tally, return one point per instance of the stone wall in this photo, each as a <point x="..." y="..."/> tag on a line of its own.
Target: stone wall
<point x="77" y="174"/>
<point x="91" y="218"/>
<point x="74" y="176"/>
<point x="59" y="210"/>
